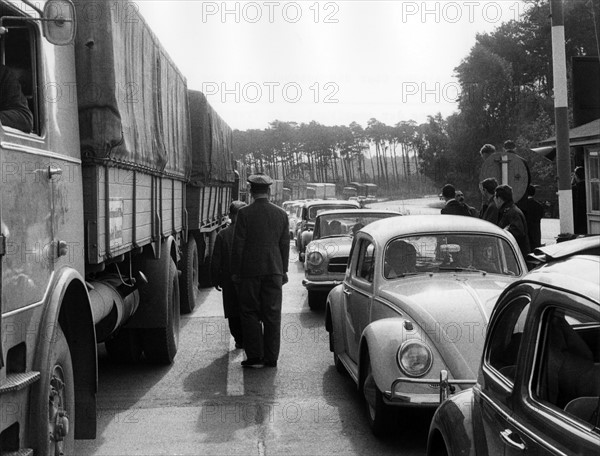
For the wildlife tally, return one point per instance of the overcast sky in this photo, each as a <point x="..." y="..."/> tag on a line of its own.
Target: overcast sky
<point x="332" y="62"/>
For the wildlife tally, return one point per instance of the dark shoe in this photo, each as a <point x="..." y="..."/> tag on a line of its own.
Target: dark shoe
<point x="255" y="363"/>
<point x="270" y="363"/>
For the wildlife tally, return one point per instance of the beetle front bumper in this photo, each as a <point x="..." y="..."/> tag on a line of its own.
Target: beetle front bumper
<point x="445" y="386"/>
<point x="320" y="285"/>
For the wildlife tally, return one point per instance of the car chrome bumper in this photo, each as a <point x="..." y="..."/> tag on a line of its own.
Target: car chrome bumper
<point x="446" y="388"/>
<point x="320" y="285"/>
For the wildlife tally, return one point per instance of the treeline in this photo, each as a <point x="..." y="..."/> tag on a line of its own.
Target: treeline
<point x="506" y="93"/>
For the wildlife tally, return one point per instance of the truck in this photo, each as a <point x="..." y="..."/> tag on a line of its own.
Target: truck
<point x="108" y="209"/>
<point x="320" y="190"/>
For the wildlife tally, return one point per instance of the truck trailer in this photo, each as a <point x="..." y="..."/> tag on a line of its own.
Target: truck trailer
<point x="108" y="208"/>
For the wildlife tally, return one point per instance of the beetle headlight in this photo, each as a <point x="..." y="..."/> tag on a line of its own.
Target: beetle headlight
<point x="314" y="259"/>
<point x="414" y="358"/>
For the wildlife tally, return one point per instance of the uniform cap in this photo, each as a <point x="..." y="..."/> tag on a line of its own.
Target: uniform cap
<point x="260" y="179"/>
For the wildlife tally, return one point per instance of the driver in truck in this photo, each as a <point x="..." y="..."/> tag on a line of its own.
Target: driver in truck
<point x="14" y="111"/>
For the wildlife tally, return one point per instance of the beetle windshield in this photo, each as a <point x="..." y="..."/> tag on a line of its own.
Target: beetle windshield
<point x="475" y="253"/>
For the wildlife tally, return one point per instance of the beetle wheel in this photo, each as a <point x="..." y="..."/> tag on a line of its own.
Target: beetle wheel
<point x="378" y="413"/>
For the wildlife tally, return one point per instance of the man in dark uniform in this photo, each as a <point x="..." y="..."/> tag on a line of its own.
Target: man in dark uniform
<point x="510" y="217"/>
<point x="221" y="274"/>
<point x="534" y="212"/>
<point x="14" y="111"/>
<point x="452" y="206"/>
<point x="489" y="210"/>
<point x="259" y="264"/>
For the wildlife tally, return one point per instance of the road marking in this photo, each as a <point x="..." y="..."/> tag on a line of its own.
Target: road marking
<point x="235" y="377"/>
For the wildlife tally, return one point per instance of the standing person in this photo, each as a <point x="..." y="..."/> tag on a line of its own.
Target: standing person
<point x="579" y="204"/>
<point x="510" y="217"/>
<point x="460" y="197"/>
<point x="534" y="212"/>
<point x="486" y="150"/>
<point x="259" y="264"/>
<point x="221" y="274"/>
<point x="452" y="206"/>
<point x="14" y="111"/>
<point x="489" y="210"/>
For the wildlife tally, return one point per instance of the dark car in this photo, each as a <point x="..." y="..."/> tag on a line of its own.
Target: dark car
<point x="538" y="388"/>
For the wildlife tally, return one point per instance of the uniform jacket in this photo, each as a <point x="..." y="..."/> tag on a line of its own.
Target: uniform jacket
<point x="512" y="219"/>
<point x="261" y="242"/>
<point x="14" y="111"/>
<point x="453" y="207"/>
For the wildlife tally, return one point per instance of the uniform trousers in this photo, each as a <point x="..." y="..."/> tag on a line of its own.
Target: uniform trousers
<point x="260" y="304"/>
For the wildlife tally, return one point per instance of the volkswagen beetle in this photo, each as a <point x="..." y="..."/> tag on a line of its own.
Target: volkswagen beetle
<point x="415" y="302"/>
<point x="327" y="254"/>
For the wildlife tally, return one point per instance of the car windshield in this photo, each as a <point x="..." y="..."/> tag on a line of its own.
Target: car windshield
<point x="443" y="253"/>
<point x="344" y="224"/>
<point x="314" y="210"/>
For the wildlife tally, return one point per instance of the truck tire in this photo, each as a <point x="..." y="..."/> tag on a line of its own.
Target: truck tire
<point x="125" y="347"/>
<point x="160" y="344"/>
<point x="56" y="401"/>
<point x="189" y="280"/>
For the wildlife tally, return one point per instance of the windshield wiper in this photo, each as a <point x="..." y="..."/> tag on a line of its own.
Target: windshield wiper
<point x="460" y="269"/>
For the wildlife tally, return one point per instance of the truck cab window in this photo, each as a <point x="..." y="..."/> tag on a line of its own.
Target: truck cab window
<point x="18" y="59"/>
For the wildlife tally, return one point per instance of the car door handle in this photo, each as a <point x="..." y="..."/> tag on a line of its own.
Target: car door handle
<point x="512" y="440"/>
<point x="347" y="292"/>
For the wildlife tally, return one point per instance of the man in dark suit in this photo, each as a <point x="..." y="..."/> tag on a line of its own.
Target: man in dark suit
<point x="221" y="273"/>
<point x="534" y="212"/>
<point x="259" y="264"/>
<point x="452" y="206"/>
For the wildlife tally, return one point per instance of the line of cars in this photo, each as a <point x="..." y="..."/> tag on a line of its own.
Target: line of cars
<point x="409" y="304"/>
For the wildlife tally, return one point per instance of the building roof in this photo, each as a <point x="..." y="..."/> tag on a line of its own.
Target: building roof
<point x="582" y="135"/>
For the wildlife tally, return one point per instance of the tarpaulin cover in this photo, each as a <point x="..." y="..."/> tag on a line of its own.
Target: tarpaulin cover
<point x="212" y="143"/>
<point x="132" y="99"/>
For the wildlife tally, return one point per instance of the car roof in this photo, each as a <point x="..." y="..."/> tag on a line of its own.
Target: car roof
<point x="329" y="203"/>
<point x="412" y="224"/>
<point x="358" y="212"/>
<point x="577" y="274"/>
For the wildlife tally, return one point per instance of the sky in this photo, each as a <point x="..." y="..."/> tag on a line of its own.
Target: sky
<point x="333" y="62"/>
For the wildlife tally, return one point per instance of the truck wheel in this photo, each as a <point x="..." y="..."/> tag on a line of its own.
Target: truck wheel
<point x="160" y="344"/>
<point x="55" y="409"/>
<point x="378" y="413"/>
<point x="189" y="280"/>
<point x="125" y="347"/>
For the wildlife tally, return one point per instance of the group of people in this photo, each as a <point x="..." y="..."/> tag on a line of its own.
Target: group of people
<point x="250" y="265"/>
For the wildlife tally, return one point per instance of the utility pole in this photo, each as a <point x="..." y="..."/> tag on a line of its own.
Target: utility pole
<point x="561" y="118"/>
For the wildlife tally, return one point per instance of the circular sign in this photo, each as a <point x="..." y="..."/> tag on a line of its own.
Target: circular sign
<point x="507" y="168"/>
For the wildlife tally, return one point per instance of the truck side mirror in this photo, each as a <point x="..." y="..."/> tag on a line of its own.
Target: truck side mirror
<point x="58" y="22"/>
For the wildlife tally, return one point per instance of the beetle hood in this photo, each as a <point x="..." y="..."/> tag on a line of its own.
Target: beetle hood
<point x="452" y="311"/>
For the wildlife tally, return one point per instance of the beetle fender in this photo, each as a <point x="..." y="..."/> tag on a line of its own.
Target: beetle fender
<point x="452" y="426"/>
<point x="383" y="338"/>
<point x="69" y="306"/>
<point x="334" y="318"/>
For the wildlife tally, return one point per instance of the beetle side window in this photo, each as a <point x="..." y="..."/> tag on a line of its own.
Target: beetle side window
<point x="505" y="338"/>
<point x="567" y="376"/>
<point x="366" y="261"/>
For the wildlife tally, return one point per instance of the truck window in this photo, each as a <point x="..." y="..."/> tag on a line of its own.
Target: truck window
<point x="17" y="53"/>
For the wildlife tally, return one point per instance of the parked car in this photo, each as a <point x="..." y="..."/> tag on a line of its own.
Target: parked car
<point x="308" y="214"/>
<point x="326" y="255"/>
<point x="538" y="389"/>
<point x="415" y="301"/>
<point x="291" y="207"/>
